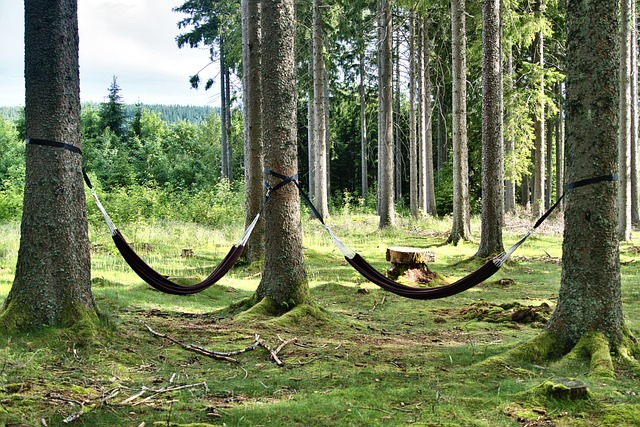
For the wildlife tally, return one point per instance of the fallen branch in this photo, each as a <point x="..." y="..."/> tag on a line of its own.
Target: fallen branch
<point x="258" y="342"/>
<point x="158" y="391"/>
<point x="200" y="350"/>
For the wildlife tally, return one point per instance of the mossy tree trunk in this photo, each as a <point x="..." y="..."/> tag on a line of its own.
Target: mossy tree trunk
<point x="284" y="281"/>
<point x="589" y="299"/>
<point x="52" y="285"/>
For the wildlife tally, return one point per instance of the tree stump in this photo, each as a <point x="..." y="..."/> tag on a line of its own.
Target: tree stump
<point x="406" y="258"/>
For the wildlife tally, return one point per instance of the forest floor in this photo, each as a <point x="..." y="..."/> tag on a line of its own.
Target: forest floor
<point x="376" y="359"/>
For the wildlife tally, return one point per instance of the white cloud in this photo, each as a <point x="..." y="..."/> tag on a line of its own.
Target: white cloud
<point x="133" y="40"/>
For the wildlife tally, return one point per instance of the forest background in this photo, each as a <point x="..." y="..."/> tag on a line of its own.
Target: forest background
<point x="160" y="155"/>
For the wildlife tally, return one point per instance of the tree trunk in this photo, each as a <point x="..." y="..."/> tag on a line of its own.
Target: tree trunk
<point x="414" y="185"/>
<point x="539" y="145"/>
<point x="385" y="114"/>
<point x="227" y="83"/>
<point x="363" y="128"/>
<point x="319" y="123"/>
<point x="492" y="143"/>
<point x="252" y="99"/>
<point x="52" y="284"/>
<point x="635" y="202"/>
<point x="510" y="184"/>
<point x="549" y="164"/>
<point x="442" y="132"/>
<point x="224" y="152"/>
<point x="311" y="145"/>
<point x="426" y="118"/>
<point x="559" y="145"/>
<point x="625" y="121"/>
<point x="284" y="281"/>
<point x="397" y="155"/>
<point x="461" y="215"/>
<point x="589" y="299"/>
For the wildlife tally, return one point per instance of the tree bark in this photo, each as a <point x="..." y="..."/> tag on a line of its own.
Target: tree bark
<point x="549" y="163"/>
<point x="397" y="152"/>
<point x="319" y="123"/>
<point x="385" y="118"/>
<point x="426" y="118"/>
<point x="492" y="142"/>
<point x="539" y="145"/>
<point x="52" y="284"/>
<point x="590" y="299"/>
<point x="460" y="229"/>
<point x="415" y="186"/>
<point x="224" y="152"/>
<point x="363" y="128"/>
<point x="510" y="184"/>
<point x="252" y="99"/>
<point x="559" y="145"/>
<point x="625" y="121"/>
<point x="227" y="84"/>
<point x="284" y="281"/>
<point x="635" y="201"/>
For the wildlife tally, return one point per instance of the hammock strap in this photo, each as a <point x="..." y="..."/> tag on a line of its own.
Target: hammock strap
<point x="55" y="144"/>
<point x="503" y="257"/>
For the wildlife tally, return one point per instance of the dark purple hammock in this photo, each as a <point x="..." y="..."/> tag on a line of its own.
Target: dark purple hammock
<point x="472" y="279"/>
<point x="159" y="281"/>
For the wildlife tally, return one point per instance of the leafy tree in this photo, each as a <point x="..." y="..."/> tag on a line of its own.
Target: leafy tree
<point x="11" y="155"/>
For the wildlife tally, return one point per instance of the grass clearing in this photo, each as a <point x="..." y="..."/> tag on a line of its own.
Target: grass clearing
<point x="376" y="360"/>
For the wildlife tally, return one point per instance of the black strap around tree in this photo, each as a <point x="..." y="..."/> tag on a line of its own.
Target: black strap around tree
<point x="55" y="144"/>
<point x="286" y="180"/>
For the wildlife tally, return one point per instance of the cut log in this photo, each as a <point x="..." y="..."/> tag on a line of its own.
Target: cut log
<point x="405" y="259"/>
<point x="407" y="255"/>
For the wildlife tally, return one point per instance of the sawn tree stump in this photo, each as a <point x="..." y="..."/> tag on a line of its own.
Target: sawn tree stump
<point x="405" y="258"/>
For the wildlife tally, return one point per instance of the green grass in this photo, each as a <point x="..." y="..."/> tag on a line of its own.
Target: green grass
<point x="379" y="360"/>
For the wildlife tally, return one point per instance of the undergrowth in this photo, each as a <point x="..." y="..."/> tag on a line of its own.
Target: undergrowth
<point x="370" y="359"/>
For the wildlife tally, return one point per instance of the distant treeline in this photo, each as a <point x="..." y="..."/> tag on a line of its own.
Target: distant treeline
<point x="169" y="113"/>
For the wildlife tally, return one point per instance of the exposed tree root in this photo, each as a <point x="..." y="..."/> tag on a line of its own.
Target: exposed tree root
<point x="267" y="310"/>
<point x="592" y="351"/>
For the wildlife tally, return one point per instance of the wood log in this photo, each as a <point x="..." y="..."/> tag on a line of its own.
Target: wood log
<point x="407" y="256"/>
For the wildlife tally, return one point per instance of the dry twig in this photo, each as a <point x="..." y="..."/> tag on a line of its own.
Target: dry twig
<point x="258" y="342"/>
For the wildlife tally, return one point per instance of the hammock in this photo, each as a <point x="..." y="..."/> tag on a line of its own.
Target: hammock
<point x="157" y="280"/>
<point x="472" y="279"/>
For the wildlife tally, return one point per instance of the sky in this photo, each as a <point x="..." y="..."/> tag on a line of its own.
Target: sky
<point x="133" y="40"/>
